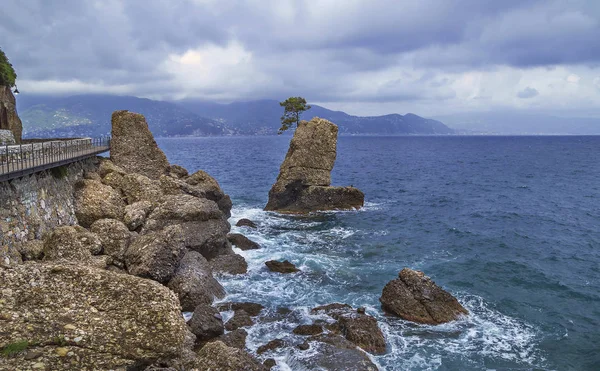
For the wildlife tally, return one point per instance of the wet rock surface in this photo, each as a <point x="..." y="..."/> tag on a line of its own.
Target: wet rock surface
<point x="271" y="345"/>
<point x="333" y="352"/>
<point x="415" y="297"/>
<point x="218" y="356"/>
<point x="253" y="309"/>
<point x="240" y="319"/>
<point x="230" y="264"/>
<point x="234" y="339"/>
<point x="281" y="267"/>
<point x="246" y="223"/>
<point x="206" y="323"/>
<point x="303" y="184"/>
<point x="242" y="242"/>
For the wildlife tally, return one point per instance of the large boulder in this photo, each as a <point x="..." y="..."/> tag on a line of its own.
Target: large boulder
<point x="138" y="187"/>
<point x="136" y="213"/>
<point x="114" y="236"/>
<point x="415" y="297"/>
<point x="82" y="318"/>
<point x="9" y="120"/>
<point x="229" y="263"/>
<point x="303" y="184"/>
<point x="67" y="243"/>
<point x="204" y="228"/>
<point x="94" y="201"/>
<point x="133" y="147"/>
<point x="218" y="356"/>
<point x="193" y="282"/>
<point x="156" y="255"/>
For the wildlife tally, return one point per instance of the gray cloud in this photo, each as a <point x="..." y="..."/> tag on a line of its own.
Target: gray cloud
<point x="527" y="93"/>
<point x="366" y="51"/>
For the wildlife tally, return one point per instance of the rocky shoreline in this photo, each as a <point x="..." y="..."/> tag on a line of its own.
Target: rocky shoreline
<point x="108" y="291"/>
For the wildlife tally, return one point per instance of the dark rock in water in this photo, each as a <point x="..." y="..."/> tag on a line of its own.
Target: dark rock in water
<point x="271" y="345"/>
<point x="253" y="309"/>
<point x="193" y="282"/>
<point x="269" y="363"/>
<point x="234" y="339"/>
<point x="156" y="255"/>
<point x="246" y="223"/>
<point x="308" y="330"/>
<point x="304" y="346"/>
<point x="415" y="297"/>
<point x="106" y="320"/>
<point x="303" y="184"/>
<point x="240" y="319"/>
<point x="218" y="356"/>
<point x="359" y="328"/>
<point x="230" y="263"/>
<point x="242" y="242"/>
<point x="206" y="323"/>
<point x="333" y="353"/>
<point x="281" y="267"/>
<point x="133" y="147"/>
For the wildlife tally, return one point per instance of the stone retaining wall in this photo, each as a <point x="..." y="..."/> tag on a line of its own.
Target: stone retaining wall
<point x="36" y="204"/>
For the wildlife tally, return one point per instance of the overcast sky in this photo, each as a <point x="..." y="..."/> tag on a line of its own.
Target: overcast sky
<point x="430" y="57"/>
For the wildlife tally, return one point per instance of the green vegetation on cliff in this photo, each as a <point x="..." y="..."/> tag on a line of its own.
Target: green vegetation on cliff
<point x="8" y="76"/>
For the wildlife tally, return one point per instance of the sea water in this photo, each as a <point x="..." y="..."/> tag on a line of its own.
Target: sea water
<point x="509" y="225"/>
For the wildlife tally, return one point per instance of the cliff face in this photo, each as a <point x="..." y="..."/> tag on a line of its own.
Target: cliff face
<point x="9" y="120"/>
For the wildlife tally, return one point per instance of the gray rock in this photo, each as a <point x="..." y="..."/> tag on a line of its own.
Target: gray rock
<point x="218" y="356"/>
<point x="206" y="323"/>
<point x="156" y="255"/>
<point x="242" y="242"/>
<point x="234" y="339"/>
<point x="94" y="201"/>
<point x="240" y="319"/>
<point x="133" y="147"/>
<point x="114" y="236"/>
<point x="136" y="213"/>
<point x="246" y="223"/>
<point x="230" y="264"/>
<point x="303" y="184"/>
<point x="112" y="320"/>
<point x="333" y="352"/>
<point x="415" y="297"/>
<point x="193" y="282"/>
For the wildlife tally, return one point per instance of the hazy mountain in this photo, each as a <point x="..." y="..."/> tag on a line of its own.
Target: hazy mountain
<point x="516" y="122"/>
<point x="89" y="115"/>
<point x="263" y="117"/>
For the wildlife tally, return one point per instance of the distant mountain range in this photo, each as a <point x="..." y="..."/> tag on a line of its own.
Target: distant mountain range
<point x="89" y="115"/>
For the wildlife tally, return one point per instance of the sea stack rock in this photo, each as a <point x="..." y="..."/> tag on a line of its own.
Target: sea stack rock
<point x="133" y="147"/>
<point x="415" y="297"/>
<point x="9" y="120"/>
<point x="303" y="184"/>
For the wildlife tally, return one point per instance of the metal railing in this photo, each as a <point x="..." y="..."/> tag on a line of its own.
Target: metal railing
<point x="23" y="159"/>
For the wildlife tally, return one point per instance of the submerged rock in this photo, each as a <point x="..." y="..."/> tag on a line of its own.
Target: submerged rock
<point x="253" y="309"/>
<point x="85" y="318"/>
<point x="271" y="345"/>
<point x="333" y="353"/>
<point x="246" y="223"/>
<point x="240" y="319"/>
<point x="415" y="297"/>
<point x="242" y="242"/>
<point x="133" y="147"/>
<point x="356" y="326"/>
<point x="303" y="184"/>
<point x="234" y="339"/>
<point x="281" y="267"/>
<point x="313" y="329"/>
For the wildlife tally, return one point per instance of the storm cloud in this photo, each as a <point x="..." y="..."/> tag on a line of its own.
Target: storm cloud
<point x="375" y="56"/>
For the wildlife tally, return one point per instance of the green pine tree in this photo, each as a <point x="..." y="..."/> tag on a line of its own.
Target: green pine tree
<point x="293" y="108"/>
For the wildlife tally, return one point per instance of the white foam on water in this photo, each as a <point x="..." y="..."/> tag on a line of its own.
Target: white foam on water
<point x="322" y="256"/>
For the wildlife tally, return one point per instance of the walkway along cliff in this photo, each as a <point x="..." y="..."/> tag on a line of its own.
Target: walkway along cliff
<point x="304" y="181"/>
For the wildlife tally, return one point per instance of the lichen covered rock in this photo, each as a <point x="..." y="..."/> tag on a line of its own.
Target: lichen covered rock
<point x="114" y="237"/>
<point x="415" y="297"/>
<point x="133" y="147"/>
<point x="94" y="201"/>
<point x="218" y="356"/>
<point x="79" y="317"/>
